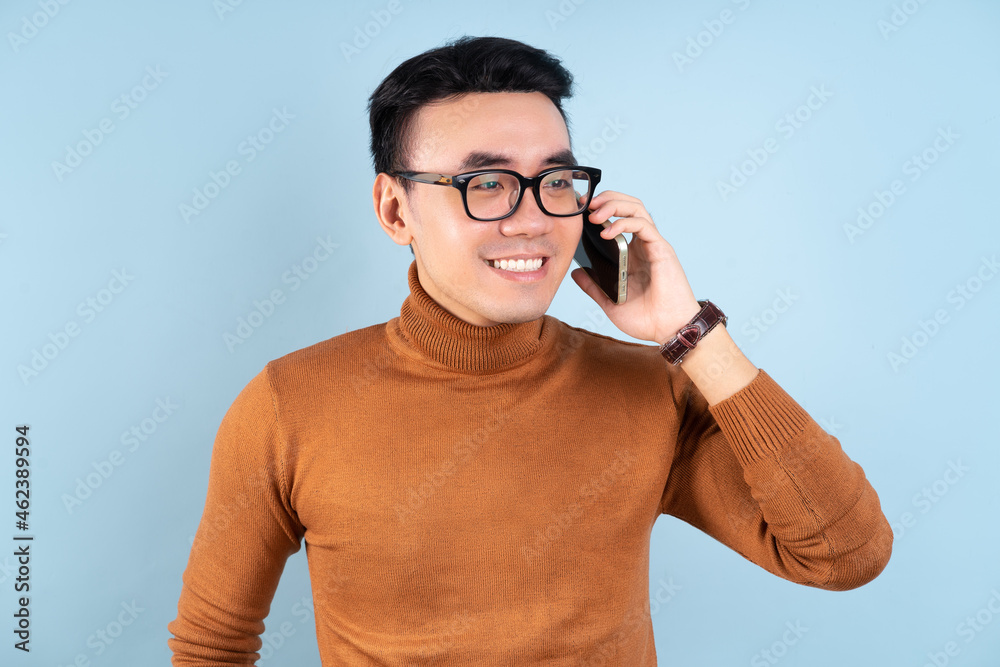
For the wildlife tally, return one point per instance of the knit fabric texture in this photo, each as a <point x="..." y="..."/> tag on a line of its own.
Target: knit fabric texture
<point x="484" y="495"/>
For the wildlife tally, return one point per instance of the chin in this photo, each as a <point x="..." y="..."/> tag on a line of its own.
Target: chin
<point x="522" y="314"/>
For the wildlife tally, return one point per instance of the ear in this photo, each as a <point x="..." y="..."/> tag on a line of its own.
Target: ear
<point x="392" y="209"/>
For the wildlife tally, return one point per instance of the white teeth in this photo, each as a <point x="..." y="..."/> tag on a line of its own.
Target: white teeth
<point x="517" y="265"/>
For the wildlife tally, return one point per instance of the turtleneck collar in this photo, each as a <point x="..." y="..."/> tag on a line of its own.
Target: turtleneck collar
<point x="435" y="334"/>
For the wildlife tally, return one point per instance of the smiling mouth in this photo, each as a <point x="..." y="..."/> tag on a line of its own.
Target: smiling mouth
<point x="517" y="265"/>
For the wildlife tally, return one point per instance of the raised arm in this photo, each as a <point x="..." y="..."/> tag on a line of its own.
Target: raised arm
<point x="758" y="474"/>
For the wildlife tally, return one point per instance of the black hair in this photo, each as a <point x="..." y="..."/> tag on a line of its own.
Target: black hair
<point x="465" y="65"/>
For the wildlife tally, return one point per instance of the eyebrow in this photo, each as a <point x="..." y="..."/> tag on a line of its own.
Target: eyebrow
<point x="479" y="159"/>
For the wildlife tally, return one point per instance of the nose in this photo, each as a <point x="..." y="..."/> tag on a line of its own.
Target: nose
<point x="528" y="219"/>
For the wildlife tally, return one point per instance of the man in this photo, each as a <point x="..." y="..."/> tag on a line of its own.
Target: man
<point x="475" y="480"/>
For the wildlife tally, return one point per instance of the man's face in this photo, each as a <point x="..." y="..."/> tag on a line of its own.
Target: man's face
<point x="523" y="132"/>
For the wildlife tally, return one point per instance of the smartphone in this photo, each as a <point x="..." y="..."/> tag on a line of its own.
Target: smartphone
<point x="606" y="260"/>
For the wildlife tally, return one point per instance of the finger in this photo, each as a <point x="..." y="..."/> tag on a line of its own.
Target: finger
<point x="655" y="248"/>
<point x="625" y="225"/>
<point x="605" y="195"/>
<point x="618" y="208"/>
<point x="640" y="227"/>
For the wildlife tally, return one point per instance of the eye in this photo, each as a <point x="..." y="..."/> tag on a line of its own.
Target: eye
<point x="482" y="186"/>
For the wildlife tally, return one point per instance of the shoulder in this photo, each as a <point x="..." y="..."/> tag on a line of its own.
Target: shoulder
<point x="319" y="366"/>
<point x="620" y="371"/>
<point x="605" y="353"/>
<point x="332" y="349"/>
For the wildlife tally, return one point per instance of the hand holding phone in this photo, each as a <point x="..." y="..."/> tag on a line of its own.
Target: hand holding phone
<point x="605" y="260"/>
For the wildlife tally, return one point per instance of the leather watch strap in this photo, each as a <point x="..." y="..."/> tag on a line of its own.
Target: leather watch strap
<point x="692" y="332"/>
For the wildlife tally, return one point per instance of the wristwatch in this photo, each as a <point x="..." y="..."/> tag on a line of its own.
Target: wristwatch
<point x="692" y="332"/>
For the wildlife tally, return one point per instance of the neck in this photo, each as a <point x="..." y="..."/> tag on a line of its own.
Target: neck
<point x="444" y="339"/>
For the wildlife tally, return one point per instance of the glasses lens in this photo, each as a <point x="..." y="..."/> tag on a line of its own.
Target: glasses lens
<point x="565" y="192"/>
<point x="492" y="195"/>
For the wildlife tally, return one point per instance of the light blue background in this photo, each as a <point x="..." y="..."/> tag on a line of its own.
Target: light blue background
<point x="685" y="128"/>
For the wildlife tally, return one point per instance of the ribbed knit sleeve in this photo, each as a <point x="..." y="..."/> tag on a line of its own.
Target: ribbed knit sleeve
<point x="758" y="474"/>
<point x="247" y="532"/>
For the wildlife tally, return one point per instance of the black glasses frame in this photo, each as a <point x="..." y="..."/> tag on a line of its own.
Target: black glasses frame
<point x="461" y="181"/>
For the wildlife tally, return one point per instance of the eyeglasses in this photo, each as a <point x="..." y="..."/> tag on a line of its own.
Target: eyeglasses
<point x="496" y="193"/>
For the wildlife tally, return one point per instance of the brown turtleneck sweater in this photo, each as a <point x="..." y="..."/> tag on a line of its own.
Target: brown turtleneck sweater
<point x="485" y="495"/>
